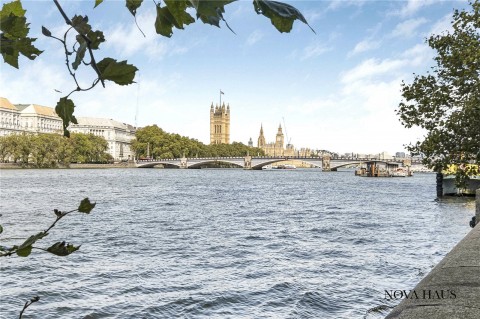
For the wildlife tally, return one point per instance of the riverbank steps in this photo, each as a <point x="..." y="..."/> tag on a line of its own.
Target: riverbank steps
<point x="452" y="289"/>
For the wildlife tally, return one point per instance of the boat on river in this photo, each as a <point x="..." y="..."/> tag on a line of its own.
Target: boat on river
<point x="450" y="188"/>
<point x="402" y="172"/>
<point x="286" y="166"/>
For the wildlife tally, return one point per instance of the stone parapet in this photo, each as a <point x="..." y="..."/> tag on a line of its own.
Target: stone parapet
<point x="451" y="289"/>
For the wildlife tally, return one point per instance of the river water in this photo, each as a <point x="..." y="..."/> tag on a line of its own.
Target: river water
<point x="212" y="243"/>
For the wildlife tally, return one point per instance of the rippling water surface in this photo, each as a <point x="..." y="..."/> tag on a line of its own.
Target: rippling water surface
<point x="222" y="243"/>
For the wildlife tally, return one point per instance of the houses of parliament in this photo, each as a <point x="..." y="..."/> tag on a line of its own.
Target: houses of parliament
<point x="220" y="133"/>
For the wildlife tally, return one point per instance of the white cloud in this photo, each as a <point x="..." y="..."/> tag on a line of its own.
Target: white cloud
<point x="314" y="50"/>
<point x="127" y="40"/>
<point x="35" y="82"/>
<point x="360" y="114"/>
<point x="413" y="6"/>
<point x="408" y="28"/>
<point x="372" y="42"/>
<point x="337" y="4"/>
<point x="312" y="16"/>
<point x="371" y="67"/>
<point x="442" y="25"/>
<point x="364" y="46"/>
<point x="419" y="55"/>
<point x="254" y="37"/>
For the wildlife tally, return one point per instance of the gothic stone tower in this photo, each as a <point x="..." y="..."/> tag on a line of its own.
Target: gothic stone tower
<point x="279" y="140"/>
<point x="220" y="124"/>
<point x="261" y="139"/>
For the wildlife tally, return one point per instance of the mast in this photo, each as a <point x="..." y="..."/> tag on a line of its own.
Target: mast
<point x="286" y="135"/>
<point x="136" y="108"/>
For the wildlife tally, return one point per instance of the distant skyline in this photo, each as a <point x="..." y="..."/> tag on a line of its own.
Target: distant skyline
<point x="337" y="89"/>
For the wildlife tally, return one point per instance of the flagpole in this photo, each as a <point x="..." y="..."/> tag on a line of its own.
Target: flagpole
<point x="220" y="98"/>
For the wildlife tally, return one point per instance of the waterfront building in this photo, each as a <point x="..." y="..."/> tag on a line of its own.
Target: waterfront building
<point x="118" y="135"/>
<point x="385" y="156"/>
<point x="220" y="124"/>
<point x="27" y="118"/>
<point x="275" y="148"/>
<point x="36" y="119"/>
<point x="9" y="118"/>
<point x="304" y="152"/>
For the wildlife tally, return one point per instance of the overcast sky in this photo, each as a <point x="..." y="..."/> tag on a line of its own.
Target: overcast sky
<point x="337" y="89"/>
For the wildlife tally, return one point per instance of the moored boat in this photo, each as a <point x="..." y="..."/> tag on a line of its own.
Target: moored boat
<point x="286" y="166"/>
<point x="449" y="186"/>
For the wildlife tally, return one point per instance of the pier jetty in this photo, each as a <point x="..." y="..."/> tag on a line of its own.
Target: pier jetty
<point x="452" y="289"/>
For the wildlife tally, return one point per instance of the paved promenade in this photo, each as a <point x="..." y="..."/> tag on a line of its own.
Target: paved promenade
<point x="452" y="289"/>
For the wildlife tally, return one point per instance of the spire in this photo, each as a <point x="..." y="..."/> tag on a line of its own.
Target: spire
<point x="261" y="129"/>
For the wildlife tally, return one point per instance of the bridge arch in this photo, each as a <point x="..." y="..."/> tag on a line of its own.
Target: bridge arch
<point x="199" y="164"/>
<point x="262" y="164"/>
<point x="343" y="164"/>
<point x="153" y="164"/>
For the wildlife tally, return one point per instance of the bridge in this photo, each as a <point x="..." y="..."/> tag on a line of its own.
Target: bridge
<point x="257" y="162"/>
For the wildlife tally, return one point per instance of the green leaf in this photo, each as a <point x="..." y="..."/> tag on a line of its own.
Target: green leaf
<point x="80" y="52"/>
<point x="95" y="37"/>
<point x="211" y="12"/>
<point x="46" y="32"/>
<point x="164" y="22"/>
<point x="62" y="249"/>
<point x="14" y="7"/>
<point x="14" y="40"/>
<point x="80" y="24"/>
<point x="281" y="15"/>
<point x="97" y="2"/>
<point x="32" y="239"/>
<point x="118" y="72"/>
<point x="64" y="109"/>
<point x="178" y="11"/>
<point x="133" y="5"/>
<point x="85" y="206"/>
<point x="58" y="213"/>
<point x="26" y="248"/>
<point x="210" y="8"/>
<point x="26" y="48"/>
<point x="25" y="251"/>
<point x="14" y="27"/>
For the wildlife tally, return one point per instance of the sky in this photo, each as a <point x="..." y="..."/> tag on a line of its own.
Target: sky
<point x="336" y="89"/>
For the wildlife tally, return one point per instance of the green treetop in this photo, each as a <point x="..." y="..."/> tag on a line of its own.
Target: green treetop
<point x="446" y="101"/>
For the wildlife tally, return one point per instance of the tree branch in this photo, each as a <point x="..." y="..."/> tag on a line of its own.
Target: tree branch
<point x="87" y="40"/>
<point x="27" y="304"/>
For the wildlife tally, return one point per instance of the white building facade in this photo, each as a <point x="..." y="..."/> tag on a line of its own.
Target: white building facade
<point x="35" y="119"/>
<point x="9" y="118"/>
<point x="27" y="118"/>
<point x="39" y="119"/>
<point x="118" y="135"/>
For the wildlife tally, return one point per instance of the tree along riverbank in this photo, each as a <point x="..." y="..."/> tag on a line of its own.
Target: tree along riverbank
<point x="74" y="166"/>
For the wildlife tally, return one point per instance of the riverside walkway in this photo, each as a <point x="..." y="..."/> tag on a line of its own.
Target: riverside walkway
<point x="452" y="289"/>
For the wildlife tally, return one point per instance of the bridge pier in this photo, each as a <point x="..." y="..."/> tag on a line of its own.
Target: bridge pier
<point x="247" y="162"/>
<point x="183" y="162"/>
<point x="326" y="163"/>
